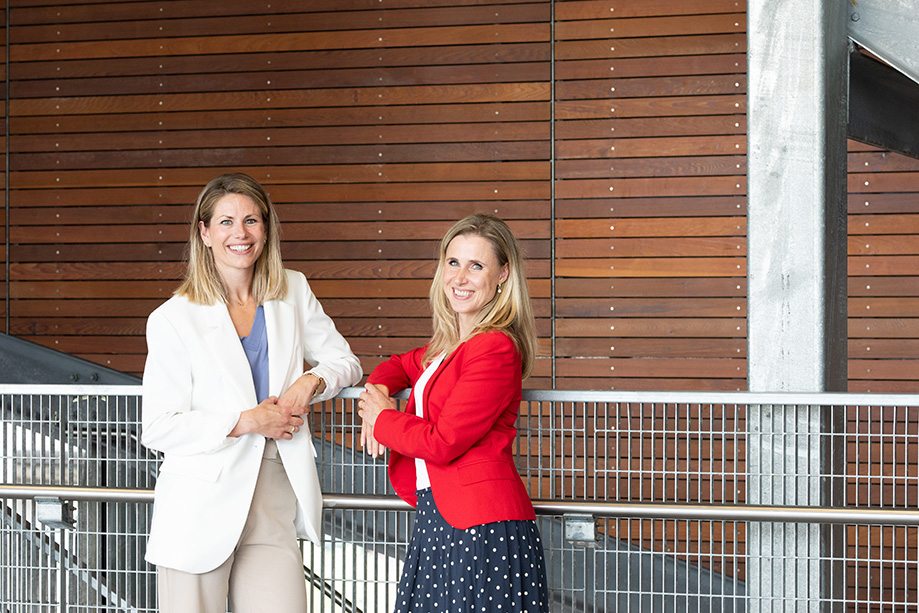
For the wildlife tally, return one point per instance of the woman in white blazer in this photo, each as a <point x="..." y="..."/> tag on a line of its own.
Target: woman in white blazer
<point x="224" y="394"/>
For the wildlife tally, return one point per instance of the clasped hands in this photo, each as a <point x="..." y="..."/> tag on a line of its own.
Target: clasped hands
<point x="279" y="418"/>
<point x="373" y="401"/>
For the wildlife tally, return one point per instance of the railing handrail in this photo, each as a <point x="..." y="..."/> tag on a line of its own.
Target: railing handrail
<point x="804" y="514"/>
<point x="536" y="395"/>
<point x="628" y="510"/>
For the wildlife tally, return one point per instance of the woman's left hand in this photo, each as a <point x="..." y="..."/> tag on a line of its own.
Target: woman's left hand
<point x="298" y="396"/>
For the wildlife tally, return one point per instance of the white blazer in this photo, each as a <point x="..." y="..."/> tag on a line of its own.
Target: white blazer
<point x="196" y="383"/>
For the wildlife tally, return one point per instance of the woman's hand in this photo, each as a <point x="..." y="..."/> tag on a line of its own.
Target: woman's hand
<point x="297" y="397"/>
<point x="269" y="419"/>
<point x="373" y="401"/>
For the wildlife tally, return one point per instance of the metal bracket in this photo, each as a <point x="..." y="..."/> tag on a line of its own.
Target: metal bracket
<point x="581" y="530"/>
<point x="55" y="513"/>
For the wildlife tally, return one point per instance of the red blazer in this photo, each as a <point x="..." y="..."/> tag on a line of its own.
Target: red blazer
<point x="467" y="434"/>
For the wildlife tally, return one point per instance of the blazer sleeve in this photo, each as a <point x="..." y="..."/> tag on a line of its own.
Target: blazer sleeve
<point x="489" y="382"/>
<point x="399" y="372"/>
<point x="325" y="349"/>
<point x="169" y="422"/>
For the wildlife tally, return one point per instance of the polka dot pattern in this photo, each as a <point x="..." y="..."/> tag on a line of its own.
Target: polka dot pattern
<point x="492" y="568"/>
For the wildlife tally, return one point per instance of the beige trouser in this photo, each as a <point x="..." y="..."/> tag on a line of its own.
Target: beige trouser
<point x="265" y="571"/>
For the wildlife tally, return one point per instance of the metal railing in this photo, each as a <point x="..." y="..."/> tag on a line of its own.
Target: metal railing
<point x="652" y="501"/>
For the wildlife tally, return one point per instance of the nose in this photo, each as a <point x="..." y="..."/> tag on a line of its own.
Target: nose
<point x="460" y="277"/>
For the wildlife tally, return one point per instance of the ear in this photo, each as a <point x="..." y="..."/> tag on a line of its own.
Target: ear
<point x="505" y="272"/>
<point x="205" y="233"/>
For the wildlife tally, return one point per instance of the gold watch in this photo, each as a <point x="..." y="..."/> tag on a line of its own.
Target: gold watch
<point x="318" y="385"/>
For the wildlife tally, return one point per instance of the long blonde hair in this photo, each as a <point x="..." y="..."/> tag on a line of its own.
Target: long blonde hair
<point x="509" y="311"/>
<point x="203" y="283"/>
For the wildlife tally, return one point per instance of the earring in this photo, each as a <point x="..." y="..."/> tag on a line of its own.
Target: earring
<point x="499" y="288"/>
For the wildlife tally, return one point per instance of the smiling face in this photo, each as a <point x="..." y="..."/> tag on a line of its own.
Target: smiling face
<point x="236" y="235"/>
<point x="471" y="277"/>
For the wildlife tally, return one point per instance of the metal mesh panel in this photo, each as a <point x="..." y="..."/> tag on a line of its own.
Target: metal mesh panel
<point x="83" y="440"/>
<point x="629" y="449"/>
<point x="638" y="452"/>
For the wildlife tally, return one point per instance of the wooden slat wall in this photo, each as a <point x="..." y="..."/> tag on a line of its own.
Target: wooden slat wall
<point x="883" y="271"/>
<point x="374" y="127"/>
<point x="374" y="130"/>
<point x="4" y="302"/>
<point x="650" y="187"/>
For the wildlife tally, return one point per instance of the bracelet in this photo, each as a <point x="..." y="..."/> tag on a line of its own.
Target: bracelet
<point x="318" y="385"/>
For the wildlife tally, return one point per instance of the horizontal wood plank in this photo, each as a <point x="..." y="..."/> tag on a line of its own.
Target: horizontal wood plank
<point x="653" y="267"/>
<point x="612" y="48"/>
<point x="348" y="96"/>
<point x="651" y="26"/>
<point x="175" y="22"/>
<point x="622" y="68"/>
<point x="285" y="137"/>
<point x="679" y="106"/>
<point x="615" y="306"/>
<point x="289" y="80"/>
<point x="681" y="206"/>
<point x="651" y="247"/>
<point x="152" y="119"/>
<point x="655" y="147"/>
<point x="263" y="42"/>
<point x="650" y="87"/>
<point x="661" y="327"/>
<point x="653" y="287"/>
<point x="650" y="227"/>
<point x="652" y="347"/>
<point x="601" y="9"/>
<point x="645" y="127"/>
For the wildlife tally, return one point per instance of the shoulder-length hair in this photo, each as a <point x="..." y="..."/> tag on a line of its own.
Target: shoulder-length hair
<point x="509" y="311"/>
<point x="203" y="283"/>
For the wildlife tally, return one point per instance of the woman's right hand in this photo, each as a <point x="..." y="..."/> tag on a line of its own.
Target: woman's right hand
<point x="373" y="400"/>
<point x="270" y="420"/>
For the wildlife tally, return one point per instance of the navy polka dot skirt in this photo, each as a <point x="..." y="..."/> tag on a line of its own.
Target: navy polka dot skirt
<point x="492" y="568"/>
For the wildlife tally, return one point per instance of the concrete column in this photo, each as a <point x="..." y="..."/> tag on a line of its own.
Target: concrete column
<point x="797" y="335"/>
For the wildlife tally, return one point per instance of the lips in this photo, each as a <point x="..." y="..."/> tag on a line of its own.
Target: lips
<point x="239" y="248"/>
<point x="462" y="293"/>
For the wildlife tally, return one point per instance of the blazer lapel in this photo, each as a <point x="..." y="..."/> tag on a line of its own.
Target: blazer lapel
<point x="279" y="323"/>
<point x="227" y="353"/>
<point x="435" y="375"/>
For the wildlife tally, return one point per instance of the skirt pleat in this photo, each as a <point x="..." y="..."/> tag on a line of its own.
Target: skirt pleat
<point x="492" y="568"/>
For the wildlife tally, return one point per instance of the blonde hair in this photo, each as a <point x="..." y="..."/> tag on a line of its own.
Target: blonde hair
<point x="509" y="311"/>
<point x="203" y="283"/>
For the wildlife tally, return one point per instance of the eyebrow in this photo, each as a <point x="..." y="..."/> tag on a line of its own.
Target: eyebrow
<point x="250" y="216"/>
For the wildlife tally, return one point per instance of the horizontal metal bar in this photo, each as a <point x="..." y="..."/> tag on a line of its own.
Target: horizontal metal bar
<point x="746" y="513"/>
<point x="532" y="395"/>
<point x="97" y="494"/>
<point x="28" y="389"/>
<point x="620" y="510"/>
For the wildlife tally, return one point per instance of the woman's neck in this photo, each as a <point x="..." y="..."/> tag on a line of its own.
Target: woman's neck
<point x="465" y="326"/>
<point x="239" y="286"/>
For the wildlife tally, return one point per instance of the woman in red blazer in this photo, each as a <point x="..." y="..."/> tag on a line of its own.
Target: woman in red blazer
<point x="475" y="544"/>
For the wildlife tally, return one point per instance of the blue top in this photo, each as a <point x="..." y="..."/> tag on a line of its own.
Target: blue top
<point x="256" y="347"/>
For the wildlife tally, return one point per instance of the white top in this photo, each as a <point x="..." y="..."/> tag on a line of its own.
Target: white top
<point x="421" y="470"/>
